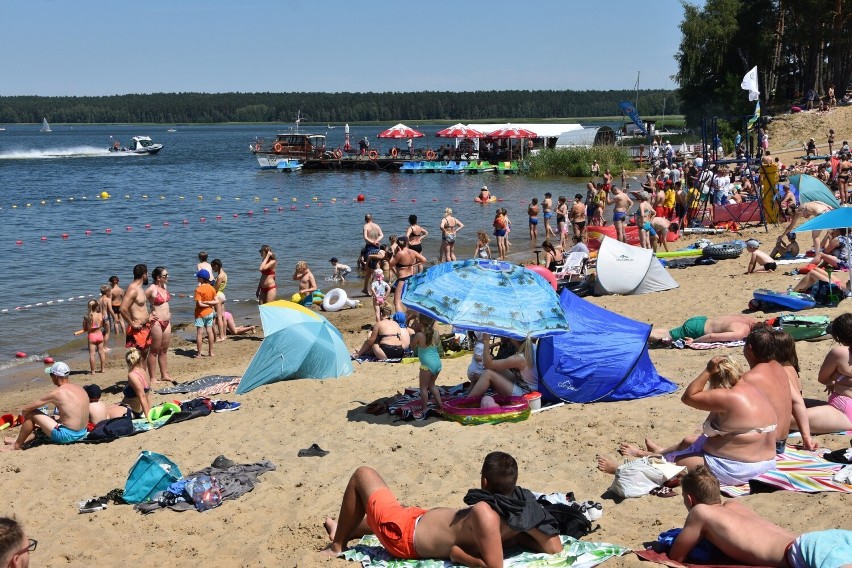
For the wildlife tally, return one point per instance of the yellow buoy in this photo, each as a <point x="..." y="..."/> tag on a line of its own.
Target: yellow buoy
<point x="200" y="197"/>
<point x="104" y="195"/>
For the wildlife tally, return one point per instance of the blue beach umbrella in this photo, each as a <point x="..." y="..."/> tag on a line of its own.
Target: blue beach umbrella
<point x="487" y="295"/>
<point x="297" y="344"/>
<point x="840" y="218"/>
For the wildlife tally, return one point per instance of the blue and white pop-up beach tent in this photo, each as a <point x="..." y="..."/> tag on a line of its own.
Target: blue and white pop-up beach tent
<point x="298" y="344"/>
<point x="603" y="358"/>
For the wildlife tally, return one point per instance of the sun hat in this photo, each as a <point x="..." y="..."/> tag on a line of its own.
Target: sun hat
<point x="203" y="274"/>
<point x="378" y="274"/>
<point x="59" y="369"/>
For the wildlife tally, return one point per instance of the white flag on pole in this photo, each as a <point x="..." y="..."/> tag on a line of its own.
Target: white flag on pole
<point x="750" y="84"/>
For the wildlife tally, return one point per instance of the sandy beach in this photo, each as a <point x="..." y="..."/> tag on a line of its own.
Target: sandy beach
<point x="431" y="463"/>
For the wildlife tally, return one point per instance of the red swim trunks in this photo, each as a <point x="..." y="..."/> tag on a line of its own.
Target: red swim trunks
<point x="138" y="338"/>
<point x="392" y="523"/>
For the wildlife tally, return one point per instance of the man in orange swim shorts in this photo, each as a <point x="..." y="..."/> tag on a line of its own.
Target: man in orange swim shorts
<point x="134" y="310"/>
<point x="470" y="536"/>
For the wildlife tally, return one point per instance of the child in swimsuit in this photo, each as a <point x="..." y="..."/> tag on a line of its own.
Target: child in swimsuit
<point x="93" y="321"/>
<point x="483" y="249"/>
<point x="426" y="342"/>
<point x="106" y="312"/>
<point x="379" y="290"/>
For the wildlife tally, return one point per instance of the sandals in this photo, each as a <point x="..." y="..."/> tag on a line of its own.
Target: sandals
<point x="663" y="492"/>
<point x="313" y="451"/>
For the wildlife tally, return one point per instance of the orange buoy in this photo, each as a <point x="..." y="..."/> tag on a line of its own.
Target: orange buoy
<point x="65" y="236"/>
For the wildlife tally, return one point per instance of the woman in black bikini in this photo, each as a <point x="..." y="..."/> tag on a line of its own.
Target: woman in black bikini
<point x="387" y="340"/>
<point x="404" y="264"/>
<point x="415" y="234"/>
<point x="552" y="258"/>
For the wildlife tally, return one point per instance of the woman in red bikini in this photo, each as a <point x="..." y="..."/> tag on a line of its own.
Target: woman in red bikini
<point x="161" y="323"/>
<point x="266" y="287"/>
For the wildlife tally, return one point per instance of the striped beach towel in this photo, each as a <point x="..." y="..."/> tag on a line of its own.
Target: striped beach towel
<point x="663" y="558"/>
<point x="795" y="470"/>
<point x="576" y="554"/>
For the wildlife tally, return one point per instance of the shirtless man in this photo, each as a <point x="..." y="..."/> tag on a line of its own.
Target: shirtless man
<point x="770" y="377"/>
<point x="547" y="213"/>
<point x="307" y="282"/>
<point x="806" y="211"/>
<point x="532" y="213"/>
<point x="788" y="202"/>
<point x="134" y="310"/>
<point x="116" y="295"/>
<point x="73" y="405"/>
<point x="373" y="235"/>
<point x="577" y="215"/>
<point x="473" y="536"/>
<point x="621" y="203"/>
<point x="703" y="329"/>
<point x="746" y="537"/>
<point x="661" y="228"/>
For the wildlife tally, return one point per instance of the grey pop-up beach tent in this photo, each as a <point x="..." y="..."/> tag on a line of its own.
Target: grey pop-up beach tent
<point x="625" y="269"/>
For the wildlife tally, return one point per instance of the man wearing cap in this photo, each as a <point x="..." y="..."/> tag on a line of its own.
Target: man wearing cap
<point x="134" y="310"/>
<point x="70" y="400"/>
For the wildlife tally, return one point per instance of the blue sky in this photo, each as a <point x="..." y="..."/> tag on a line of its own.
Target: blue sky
<point x="96" y="47"/>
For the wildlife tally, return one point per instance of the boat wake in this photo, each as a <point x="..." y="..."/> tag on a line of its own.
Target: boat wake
<point x="53" y="153"/>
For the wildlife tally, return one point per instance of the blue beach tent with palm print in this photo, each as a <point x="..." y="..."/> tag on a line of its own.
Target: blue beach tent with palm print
<point x="603" y="358"/>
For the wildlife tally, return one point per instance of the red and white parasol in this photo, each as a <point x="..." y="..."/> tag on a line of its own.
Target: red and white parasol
<point x="400" y="131"/>
<point x="459" y="131"/>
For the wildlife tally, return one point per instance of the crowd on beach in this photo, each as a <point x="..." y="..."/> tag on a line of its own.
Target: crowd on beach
<point x="750" y="412"/>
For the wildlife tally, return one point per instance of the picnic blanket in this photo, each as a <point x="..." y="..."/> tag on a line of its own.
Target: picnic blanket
<point x="205" y="386"/>
<point x="795" y="470"/>
<point x="663" y="558"/>
<point x="576" y="553"/>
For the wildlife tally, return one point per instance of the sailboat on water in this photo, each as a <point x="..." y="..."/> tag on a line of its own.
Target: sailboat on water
<point x="45" y="127"/>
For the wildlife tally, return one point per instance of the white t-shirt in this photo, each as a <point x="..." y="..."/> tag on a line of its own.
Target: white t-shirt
<point x="380" y="290"/>
<point x="474" y="370"/>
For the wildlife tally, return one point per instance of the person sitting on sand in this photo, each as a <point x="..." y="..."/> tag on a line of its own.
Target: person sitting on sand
<point x="234" y="329"/>
<point x="98" y="410"/>
<point x="748" y="538"/>
<point x="704" y="329"/>
<point x="738" y="439"/>
<point x="15" y="547"/>
<point x="758" y="257"/>
<point x="474" y="536"/>
<point x="70" y="400"/>
<point x="813" y="276"/>
<point x="515" y="375"/>
<point x="834" y="252"/>
<point x="785" y="249"/>
<point x="835" y="415"/>
<point x="387" y="340"/>
<point x="136" y="399"/>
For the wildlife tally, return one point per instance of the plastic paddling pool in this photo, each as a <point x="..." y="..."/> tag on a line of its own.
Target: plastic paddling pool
<point x="466" y="410"/>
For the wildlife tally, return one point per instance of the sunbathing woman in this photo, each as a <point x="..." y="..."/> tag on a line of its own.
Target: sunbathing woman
<point x="387" y="340"/>
<point x="738" y="439"/>
<point x="137" y="392"/>
<point x="835" y="415"/>
<point x="161" y="323"/>
<point x="266" y="287"/>
<point x="513" y="376"/>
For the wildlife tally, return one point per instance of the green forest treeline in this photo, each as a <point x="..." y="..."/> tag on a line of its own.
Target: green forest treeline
<point x="180" y="108"/>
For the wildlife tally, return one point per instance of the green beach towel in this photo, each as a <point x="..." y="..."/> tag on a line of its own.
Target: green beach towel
<point x="576" y="553"/>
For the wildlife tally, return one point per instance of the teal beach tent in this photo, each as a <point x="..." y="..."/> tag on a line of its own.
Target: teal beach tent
<point x="297" y="344"/>
<point x="808" y="188"/>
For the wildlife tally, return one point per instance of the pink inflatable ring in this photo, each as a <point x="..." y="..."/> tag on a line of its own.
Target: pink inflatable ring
<point x="466" y="410"/>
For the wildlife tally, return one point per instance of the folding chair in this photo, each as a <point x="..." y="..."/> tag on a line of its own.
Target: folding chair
<point x="574" y="265"/>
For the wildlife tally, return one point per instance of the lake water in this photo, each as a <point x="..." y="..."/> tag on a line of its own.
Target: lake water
<point x="52" y="181"/>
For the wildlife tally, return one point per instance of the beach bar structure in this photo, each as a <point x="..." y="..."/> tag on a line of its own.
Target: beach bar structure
<point x="587" y="137"/>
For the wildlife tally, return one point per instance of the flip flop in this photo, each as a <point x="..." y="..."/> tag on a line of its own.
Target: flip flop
<point x="313" y="451"/>
<point x="663" y="492"/>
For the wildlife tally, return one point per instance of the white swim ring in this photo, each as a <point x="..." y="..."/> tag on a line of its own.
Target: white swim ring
<point x="335" y="300"/>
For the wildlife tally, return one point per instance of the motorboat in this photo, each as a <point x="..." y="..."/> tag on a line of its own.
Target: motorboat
<point x="171" y="130"/>
<point x="45" y="127"/>
<point x="288" y="146"/>
<point x="138" y="145"/>
<point x="289" y="165"/>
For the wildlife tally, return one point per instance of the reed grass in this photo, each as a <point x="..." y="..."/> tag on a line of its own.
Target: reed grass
<point x="577" y="162"/>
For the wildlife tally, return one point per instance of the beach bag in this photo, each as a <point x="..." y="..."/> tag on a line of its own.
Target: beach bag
<point x="572" y="521"/>
<point x="804" y="327"/>
<point x="638" y="477"/>
<point x="110" y="429"/>
<point x="151" y="474"/>
<point x="826" y="294"/>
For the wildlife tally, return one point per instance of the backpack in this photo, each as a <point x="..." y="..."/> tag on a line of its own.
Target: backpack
<point x="572" y="521"/>
<point x="826" y="294"/>
<point x="109" y="430"/>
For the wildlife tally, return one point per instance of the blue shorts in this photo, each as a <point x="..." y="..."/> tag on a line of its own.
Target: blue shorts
<point x="206" y="321"/>
<point x="619" y="216"/>
<point x="533" y="220"/>
<point x="547" y="215"/>
<point x="65" y="435"/>
<point x="650" y="229"/>
<point x="499" y="232"/>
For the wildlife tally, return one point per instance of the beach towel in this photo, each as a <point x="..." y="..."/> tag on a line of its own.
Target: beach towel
<point x="681" y="344"/>
<point x="209" y="382"/>
<point x="663" y="558"/>
<point x="408" y="406"/>
<point x="795" y="470"/>
<point x="576" y="553"/>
